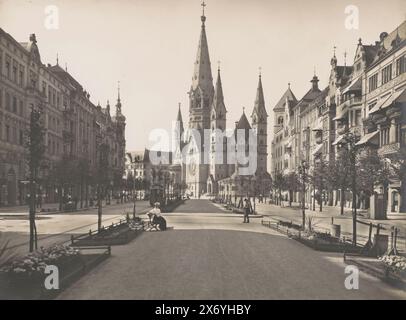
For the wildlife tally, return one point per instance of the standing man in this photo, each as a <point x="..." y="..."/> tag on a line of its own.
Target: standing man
<point x="246" y="211"/>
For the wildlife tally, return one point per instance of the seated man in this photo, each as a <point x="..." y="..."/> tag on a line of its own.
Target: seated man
<point x="156" y="217"/>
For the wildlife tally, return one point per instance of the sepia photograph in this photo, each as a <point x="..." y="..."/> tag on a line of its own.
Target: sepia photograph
<point x="202" y="155"/>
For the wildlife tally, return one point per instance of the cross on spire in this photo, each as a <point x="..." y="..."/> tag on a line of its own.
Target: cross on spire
<point x="334" y="51"/>
<point x="260" y="71"/>
<point x="345" y="58"/>
<point x="118" y="90"/>
<point x="218" y="65"/>
<point x="203" y="5"/>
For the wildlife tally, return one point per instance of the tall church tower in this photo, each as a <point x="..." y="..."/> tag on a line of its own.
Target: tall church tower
<point x="200" y="101"/>
<point x="202" y="90"/>
<point x="260" y="125"/>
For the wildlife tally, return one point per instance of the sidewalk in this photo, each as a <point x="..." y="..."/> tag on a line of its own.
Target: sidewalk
<point x="322" y="220"/>
<point x="47" y="208"/>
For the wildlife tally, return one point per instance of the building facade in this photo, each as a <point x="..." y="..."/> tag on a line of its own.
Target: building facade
<point x="75" y="128"/>
<point x="366" y="99"/>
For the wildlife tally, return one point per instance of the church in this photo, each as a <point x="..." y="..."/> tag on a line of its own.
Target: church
<point x="200" y="169"/>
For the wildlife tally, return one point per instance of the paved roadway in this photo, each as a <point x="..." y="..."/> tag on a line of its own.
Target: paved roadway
<point x="216" y="256"/>
<point x="199" y="206"/>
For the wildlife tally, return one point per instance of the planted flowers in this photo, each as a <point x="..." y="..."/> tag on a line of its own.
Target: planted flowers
<point x="33" y="264"/>
<point x="396" y="263"/>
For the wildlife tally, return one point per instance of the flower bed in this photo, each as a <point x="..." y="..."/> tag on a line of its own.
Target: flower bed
<point x="24" y="278"/>
<point x="116" y="234"/>
<point x="395" y="267"/>
<point x="390" y="269"/>
<point x="323" y="241"/>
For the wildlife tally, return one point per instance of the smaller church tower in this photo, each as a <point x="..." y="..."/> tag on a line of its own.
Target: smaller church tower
<point x="260" y="125"/>
<point x="218" y="143"/>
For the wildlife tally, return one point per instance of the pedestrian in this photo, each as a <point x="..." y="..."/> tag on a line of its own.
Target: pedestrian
<point x="246" y="211"/>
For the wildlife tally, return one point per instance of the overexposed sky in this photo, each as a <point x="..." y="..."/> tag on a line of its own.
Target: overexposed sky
<point x="150" y="47"/>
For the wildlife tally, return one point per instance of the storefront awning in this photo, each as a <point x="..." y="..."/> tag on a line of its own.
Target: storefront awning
<point x="341" y="114"/>
<point x="367" y="138"/>
<point x="398" y="96"/>
<point x="338" y="139"/>
<point x="354" y="86"/>
<point x="317" y="149"/>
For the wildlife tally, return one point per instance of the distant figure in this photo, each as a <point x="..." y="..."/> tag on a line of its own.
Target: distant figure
<point x="246" y="211"/>
<point x="156" y="217"/>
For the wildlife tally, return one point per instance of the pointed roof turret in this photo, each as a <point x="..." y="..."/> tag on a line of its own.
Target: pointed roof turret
<point x="118" y="104"/>
<point x="288" y="95"/>
<point x="202" y="76"/>
<point x="108" y="108"/>
<point x="259" y="107"/>
<point x="180" y="120"/>
<point x="243" y="123"/>
<point x="218" y="100"/>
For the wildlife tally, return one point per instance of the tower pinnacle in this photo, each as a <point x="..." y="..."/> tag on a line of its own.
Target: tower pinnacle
<point x="203" y="17"/>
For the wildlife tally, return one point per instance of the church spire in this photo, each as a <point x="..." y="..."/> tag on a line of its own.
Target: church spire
<point x="259" y="106"/>
<point x="218" y="99"/>
<point x="118" y="104"/>
<point x="180" y="120"/>
<point x="202" y="76"/>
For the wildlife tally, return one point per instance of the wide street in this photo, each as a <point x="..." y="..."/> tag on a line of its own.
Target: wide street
<point x="210" y="254"/>
<point x="58" y="227"/>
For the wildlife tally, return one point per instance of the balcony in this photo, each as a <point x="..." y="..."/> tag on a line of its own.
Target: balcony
<point x="389" y="149"/>
<point x="353" y="101"/>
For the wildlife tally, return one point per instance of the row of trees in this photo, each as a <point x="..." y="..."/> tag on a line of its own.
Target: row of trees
<point x="71" y="176"/>
<point x="357" y="170"/>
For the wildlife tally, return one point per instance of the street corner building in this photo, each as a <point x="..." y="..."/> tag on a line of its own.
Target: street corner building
<point x="78" y="133"/>
<point x="365" y="98"/>
<point x="207" y="112"/>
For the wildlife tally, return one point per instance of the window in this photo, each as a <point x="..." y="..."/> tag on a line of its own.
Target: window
<point x="1" y="62"/>
<point x="7" y="133"/>
<point x="373" y="82"/>
<point x="8" y="101"/>
<point x="21" y="75"/>
<point x="387" y="74"/>
<point x="358" y="66"/>
<point x="401" y="65"/>
<point x="21" y="108"/>
<point x="384" y="136"/>
<point x="357" y="119"/>
<point x="14" y="71"/>
<point x="15" y="104"/>
<point x="398" y="132"/>
<point x="8" y="66"/>
<point x="21" y="138"/>
<point x="14" y="137"/>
